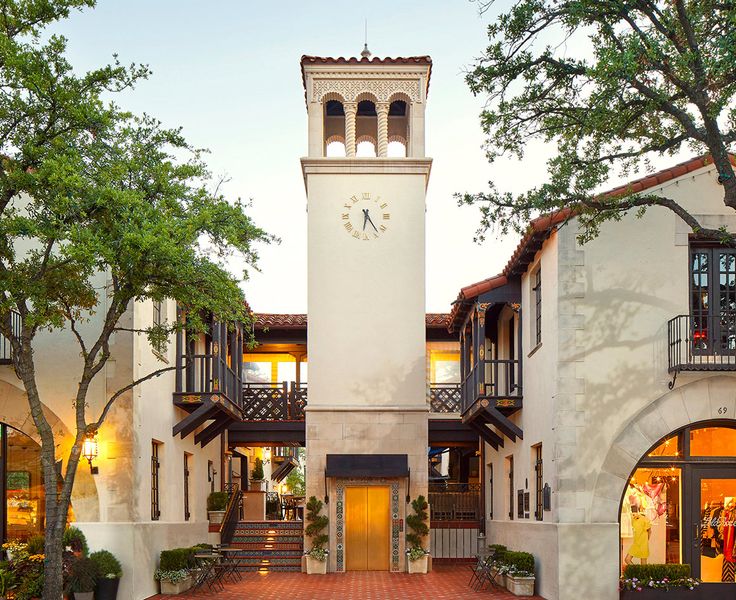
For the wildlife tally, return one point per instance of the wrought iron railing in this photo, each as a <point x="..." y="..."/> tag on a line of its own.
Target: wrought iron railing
<point x="702" y="342"/>
<point x="493" y="379"/>
<point x="6" y="351"/>
<point x="455" y="501"/>
<point x="208" y="374"/>
<point x="232" y="513"/>
<point x="444" y="397"/>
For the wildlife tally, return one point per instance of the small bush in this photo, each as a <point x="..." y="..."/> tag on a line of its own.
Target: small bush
<point x="657" y="572"/>
<point x="176" y="559"/>
<point x="257" y="473"/>
<point x="519" y="561"/>
<point x="313" y="531"/>
<point x="36" y="544"/>
<point x="76" y="539"/>
<point x="500" y="552"/>
<point x="217" y="501"/>
<point x="82" y="576"/>
<point x="108" y="566"/>
<point x="417" y="522"/>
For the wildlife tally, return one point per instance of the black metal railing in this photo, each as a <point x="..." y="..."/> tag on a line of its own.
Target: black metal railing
<point x="283" y="401"/>
<point x="455" y="501"/>
<point x="232" y="513"/>
<point x="493" y="379"/>
<point x="702" y="342"/>
<point x="6" y="351"/>
<point x="444" y="397"/>
<point x="208" y="374"/>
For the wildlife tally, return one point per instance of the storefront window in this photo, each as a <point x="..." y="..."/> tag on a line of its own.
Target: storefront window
<point x="24" y="497"/>
<point x="669" y="447"/>
<point x="713" y="441"/>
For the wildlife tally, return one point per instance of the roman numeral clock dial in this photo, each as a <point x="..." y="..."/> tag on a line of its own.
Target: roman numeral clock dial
<point x="365" y="217"/>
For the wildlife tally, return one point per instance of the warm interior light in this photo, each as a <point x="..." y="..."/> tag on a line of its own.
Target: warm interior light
<point x="266" y="454"/>
<point x="89" y="447"/>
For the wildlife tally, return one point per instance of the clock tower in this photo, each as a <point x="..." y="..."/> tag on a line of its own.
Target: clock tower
<point x="366" y="422"/>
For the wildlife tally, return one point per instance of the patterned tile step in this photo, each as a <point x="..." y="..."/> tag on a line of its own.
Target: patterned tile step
<point x="262" y="553"/>
<point x="271" y="524"/>
<point x="268" y="539"/>
<point x="274" y="568"/>
<point x="264" y="533"/>
<point x="276" y="546"/>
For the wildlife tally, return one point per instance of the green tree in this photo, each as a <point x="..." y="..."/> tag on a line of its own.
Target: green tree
<point x="93" y="196"/>
<point x="417" y="522"/>
<point x="611" y="84"/>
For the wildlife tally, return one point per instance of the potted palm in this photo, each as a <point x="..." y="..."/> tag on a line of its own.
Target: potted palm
<point x="109" y="572"/>
<point x="417" y="522"/>
<point x="216" y="506"/>
<point x="317" y="554"/>
<point x="82" y="578"/>
<point x="257" y="482"/>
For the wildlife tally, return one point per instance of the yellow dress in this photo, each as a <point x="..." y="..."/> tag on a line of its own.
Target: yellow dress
<point x="641" y="526"/>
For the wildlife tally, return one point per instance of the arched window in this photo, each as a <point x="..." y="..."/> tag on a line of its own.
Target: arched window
<point x="366" y="128"/>
<point x="398" y="128"/>
<point x="334" y="128"/>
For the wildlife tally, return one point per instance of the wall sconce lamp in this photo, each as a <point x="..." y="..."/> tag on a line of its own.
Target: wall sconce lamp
<point x="266" y="456"/>
<point x="89" y="450"/>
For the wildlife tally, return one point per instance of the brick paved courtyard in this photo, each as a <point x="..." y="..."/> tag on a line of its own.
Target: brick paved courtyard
<point x="444" y="583"/>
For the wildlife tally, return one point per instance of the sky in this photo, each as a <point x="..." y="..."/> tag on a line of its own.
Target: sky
<point x="228" y="73"/>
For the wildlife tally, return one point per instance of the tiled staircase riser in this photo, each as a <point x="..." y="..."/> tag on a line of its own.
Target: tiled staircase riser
<point x="270" y="545"/>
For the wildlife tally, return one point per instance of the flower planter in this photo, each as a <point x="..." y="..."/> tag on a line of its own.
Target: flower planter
<point x="418" y="566"/>
<point x="520" y="586"/>
<point x="316" y="567"/>
<point x="176" y="588"/>
<point x="257" y="485"/>
<point x="700" y="592"/>
<point x="216" y="516"/>
<point x="107" y="589"/>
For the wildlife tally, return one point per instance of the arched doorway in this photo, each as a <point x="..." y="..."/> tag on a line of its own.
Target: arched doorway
<point x="22" y="510"/>
<point x="680" y="504"/>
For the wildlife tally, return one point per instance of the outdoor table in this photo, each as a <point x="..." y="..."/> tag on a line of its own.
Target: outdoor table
<point x="231" y="561"/>
<point x="210" y="571"/>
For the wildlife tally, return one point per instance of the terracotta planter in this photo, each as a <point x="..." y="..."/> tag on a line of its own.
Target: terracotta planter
<point x="257" y="485"/>
<point x="316" y="567"/>
<point x="216" y="516"/>
<point x="418" y="566"/>
<point x="176" y="588"/>
<point x="107" y="589"/>
<point x="520" y="586"/>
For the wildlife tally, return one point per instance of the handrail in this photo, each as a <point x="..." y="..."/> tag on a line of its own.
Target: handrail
<point x="702" y="342"/>
<point x="6" y="350"/>
<point x="232" y="513"/>
<point x="201" y="376"/>
<point x="492" y="378"/>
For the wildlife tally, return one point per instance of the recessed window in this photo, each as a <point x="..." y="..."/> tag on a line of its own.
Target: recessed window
<point x="537" y="304"/>
<point x="187" y="459"/>
<point x="538" y="483"/>
<point x="155" y="482"/>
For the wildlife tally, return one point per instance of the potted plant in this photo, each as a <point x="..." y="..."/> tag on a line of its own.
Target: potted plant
<point x="417" y="522"/>
<point x="76" y="541"/>
<point x="109" y="572"/>
<point x="7" y="579"/>
<point x="519" y="573"/>
<point x="498" y="564"/>
<point x="82" y="579"/>
<point x="659" y="582"/>
<point x="317" y="554"/>
<point x="216" y="506"/>
<point x="256" y="476"/>
<point x="174" y="570"/>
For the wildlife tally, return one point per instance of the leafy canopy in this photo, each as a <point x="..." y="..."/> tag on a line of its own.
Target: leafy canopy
<point x="647" y="78"/>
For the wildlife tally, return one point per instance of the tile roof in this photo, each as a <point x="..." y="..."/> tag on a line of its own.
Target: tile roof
<point x="542" y="227"/>
<point x="299" y="321"/>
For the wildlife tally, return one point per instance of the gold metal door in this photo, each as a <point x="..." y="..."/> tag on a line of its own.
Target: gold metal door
<point x="367" y="527"/>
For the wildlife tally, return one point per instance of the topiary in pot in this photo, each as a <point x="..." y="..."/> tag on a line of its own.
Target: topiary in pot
<point x="109" y="572"/>
<point x="82" y="579"/>
<point x="257" y="476"/>
<point x="216" y="506"/>
<point x="317" y="554"/>
<point x="417" y="522"/>
<point x="76" y="540"/>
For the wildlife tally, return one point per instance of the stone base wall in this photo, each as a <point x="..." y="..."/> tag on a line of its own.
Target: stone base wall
<point x="364" y="431"/>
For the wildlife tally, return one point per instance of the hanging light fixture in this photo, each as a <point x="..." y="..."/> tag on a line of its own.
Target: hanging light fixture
<point x="90" y="449"/>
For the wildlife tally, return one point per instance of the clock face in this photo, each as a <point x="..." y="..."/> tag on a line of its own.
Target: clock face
<point x="365" y="217"/>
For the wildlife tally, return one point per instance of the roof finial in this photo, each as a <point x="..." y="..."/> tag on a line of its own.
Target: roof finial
<point x="366" y="53"/>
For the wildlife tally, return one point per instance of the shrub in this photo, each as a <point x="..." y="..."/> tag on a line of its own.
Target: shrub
<point x="76" y="539"/>
<point x="417" y="522"/>
<point x="519" y="562"/>
<point x="108" y="567"/>
<point x="7" y="578"/>
<point x="36" y="544"/>
<point x="499" y="552"/>
<point x="657" y="572"/>
<point x="217" y="501"/>
<point x="257" y="473"/>
<point x="82" y="576"/>
<point x="31" y="584"/>
<point x="313" y="531"/>
<point x="176" y="559"/>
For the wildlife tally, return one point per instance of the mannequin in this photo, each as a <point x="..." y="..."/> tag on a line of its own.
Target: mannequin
<point x="642" y="532"/>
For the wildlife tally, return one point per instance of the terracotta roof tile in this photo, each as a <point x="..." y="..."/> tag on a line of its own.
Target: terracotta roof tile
<point x="299" y="321"/>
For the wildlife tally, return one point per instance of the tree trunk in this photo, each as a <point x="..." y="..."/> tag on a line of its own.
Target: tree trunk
<point x="53" y="584"/>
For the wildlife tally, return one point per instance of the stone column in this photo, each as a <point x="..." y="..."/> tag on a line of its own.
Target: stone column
<point x="351" y="108"/>
<point x="382" y="111"/>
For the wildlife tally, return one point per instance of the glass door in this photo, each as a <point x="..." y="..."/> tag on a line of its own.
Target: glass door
<point x="713" y="515"/>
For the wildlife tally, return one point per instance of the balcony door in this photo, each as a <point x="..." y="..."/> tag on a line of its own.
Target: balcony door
<point x="713" y="299"/>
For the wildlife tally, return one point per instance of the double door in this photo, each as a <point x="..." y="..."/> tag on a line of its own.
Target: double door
<point x="367" y="528"/>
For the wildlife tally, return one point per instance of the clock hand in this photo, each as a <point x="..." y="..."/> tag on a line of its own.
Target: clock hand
<point x="370" y="221"/>
<point x="366" y="218"/>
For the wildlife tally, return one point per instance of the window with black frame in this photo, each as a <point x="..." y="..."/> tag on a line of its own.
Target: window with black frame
<point x="538" y="484"/>
<point x="155" y="496"/>
<point x="713" y="299"/>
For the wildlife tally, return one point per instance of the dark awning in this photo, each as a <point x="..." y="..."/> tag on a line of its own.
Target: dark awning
<point x="286" y="467"/>
<point x="367" y="465"/>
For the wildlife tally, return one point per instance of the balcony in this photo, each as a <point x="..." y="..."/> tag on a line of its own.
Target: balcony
<point x="6" y="352"/>
<point x="274" y="401"/>
<point x="496" y="381"/>
<point x="454" y="502"/>
<point x="444" y="398"/>
<point x="702" y="342"/>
